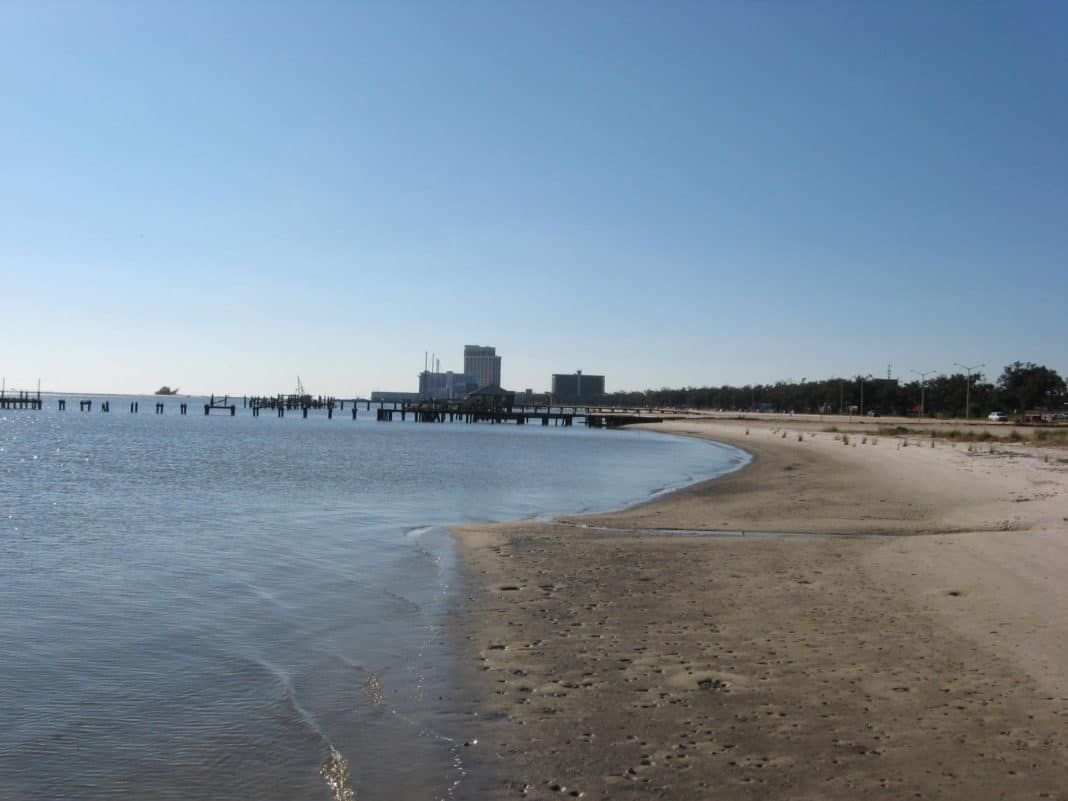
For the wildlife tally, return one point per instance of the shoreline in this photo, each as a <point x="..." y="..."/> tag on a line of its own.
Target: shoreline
<point x="607" y="663"/>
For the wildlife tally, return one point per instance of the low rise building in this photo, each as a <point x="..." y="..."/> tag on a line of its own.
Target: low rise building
<point x="529" y="397"/>
<point x="445" y="386"/>
<point x="491" y="396"/>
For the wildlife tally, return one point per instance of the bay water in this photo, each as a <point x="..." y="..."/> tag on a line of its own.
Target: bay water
<point x="223" y="607"/>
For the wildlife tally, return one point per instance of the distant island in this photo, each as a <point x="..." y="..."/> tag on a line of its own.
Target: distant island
<point x="165" y="390"/>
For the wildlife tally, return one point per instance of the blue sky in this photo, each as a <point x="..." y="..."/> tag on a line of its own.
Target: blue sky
<point x="222" y="196"/>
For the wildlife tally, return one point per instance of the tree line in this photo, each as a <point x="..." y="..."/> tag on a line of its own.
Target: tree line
<point x="1022" y="387"/>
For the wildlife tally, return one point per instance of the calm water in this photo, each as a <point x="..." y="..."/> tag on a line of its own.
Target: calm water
<point x="230" y="608"/>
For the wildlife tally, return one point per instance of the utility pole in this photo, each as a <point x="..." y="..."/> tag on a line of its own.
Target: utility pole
<point x="923" y="388"/>
<point x="968" y="386"/>
<point x="862" y="379"/>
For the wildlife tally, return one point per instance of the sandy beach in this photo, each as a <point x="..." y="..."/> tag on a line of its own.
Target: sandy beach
<point x="908" y="639"/>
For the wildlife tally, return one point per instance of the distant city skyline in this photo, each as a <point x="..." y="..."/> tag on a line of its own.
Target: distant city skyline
<point x="222" y="197"/>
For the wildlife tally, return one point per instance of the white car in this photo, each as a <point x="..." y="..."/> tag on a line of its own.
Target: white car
<point x="998" y="417"/>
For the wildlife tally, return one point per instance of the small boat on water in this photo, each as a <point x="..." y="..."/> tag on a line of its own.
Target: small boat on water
<point x="165" y="390"/>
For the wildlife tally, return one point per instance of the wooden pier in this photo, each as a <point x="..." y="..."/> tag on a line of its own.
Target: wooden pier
<point x="20" y="399"/>
<point x="222" y="405"/>
<point x="465" y="411"/>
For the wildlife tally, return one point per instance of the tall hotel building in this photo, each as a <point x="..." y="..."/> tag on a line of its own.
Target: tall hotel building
<point x="483" y="364"/>
<point x="577" y="388"/>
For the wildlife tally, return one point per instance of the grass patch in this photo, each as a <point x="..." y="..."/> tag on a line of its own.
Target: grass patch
<point x="1051" y="435"/>
<point x="956" y="435"/>
<point x="891" y="431"/>
<point x="1055" y="435"/>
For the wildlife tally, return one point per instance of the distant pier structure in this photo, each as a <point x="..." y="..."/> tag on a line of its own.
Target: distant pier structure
<point x="302" y="403"/>
<point x="520" y="414"/>
<point x="220" y="404"/>
<point x="20" y="399"/>
<point x="489" y="404"/>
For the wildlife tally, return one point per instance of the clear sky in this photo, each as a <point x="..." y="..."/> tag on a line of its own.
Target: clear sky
<point x="224" y="195"/>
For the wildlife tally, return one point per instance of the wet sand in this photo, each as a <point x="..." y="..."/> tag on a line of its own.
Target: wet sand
<point x="930" y="663"/>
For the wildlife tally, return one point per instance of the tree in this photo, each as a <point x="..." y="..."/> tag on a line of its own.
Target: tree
<point x="1026" y="385"/>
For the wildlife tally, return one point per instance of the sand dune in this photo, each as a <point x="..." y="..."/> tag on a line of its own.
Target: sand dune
<point x="613" y="664"/>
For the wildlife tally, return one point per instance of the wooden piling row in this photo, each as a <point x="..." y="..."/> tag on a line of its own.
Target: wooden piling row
<point x="21" y="400"/>
<point x="421" y="411"/>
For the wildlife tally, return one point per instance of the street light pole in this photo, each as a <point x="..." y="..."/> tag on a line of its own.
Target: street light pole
<point x="862" y="379"/>
<point x="968" y="386"/>
<point x="923" y="388"/>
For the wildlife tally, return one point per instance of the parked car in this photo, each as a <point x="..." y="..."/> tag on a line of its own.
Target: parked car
<point x="998" y="417"/>
<point x="873" y="413"/>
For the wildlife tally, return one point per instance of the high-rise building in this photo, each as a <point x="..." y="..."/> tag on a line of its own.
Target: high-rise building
<point x="577" y="388"/>
<point x="482" y="362"/>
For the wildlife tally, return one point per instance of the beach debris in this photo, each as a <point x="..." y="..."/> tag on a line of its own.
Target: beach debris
<point x="375" y="694"/>
<point x="336" y="772"/>
<point x="712" y="684"/>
